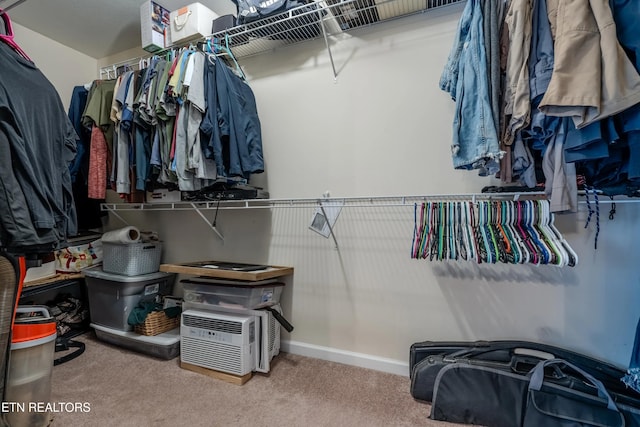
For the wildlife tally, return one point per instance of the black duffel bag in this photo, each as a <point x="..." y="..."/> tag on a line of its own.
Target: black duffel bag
<point x="552" y="405"/>
<point x="555" y="393"/>
<point x="427" y="358"/>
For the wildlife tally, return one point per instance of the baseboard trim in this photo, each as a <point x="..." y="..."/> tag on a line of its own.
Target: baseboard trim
<point x="361" y="360"/>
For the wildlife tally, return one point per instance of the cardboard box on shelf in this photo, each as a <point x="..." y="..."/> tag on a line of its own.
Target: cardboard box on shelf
<point x="154" y="26"/>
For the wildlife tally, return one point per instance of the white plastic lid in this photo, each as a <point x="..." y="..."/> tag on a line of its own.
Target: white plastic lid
<point x="99" y="274"/>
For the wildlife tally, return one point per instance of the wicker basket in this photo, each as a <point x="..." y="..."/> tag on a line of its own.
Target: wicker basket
<point x="156" y="323"/>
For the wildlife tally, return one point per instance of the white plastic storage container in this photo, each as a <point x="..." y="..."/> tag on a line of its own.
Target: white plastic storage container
<point x="131" y="259"/>
<point x="113" y="296"/>
<point x="191" y="22"/>
<point x="164" y="346"/>
<point x="233" y="294"/>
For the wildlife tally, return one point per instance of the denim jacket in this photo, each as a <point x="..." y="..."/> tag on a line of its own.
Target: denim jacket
<point x="465" y="78"/>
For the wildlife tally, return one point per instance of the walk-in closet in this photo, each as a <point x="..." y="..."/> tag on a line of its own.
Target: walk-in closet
<point x="393" y="191"/>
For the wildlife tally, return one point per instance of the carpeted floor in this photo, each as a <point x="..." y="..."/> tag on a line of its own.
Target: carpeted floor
<point x="111" y="386"/>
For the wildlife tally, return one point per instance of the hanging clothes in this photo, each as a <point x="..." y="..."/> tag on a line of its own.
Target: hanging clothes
<point x="185" y="122"/>
<point x="188" y="119"/>
<point x="232" y="127"/>
<point x="475" y="137"/>
<point x="517" y="93"/>
<point x="97" y="117"/>
<point x="38" y="143"/>
<point x="122" y="131"/>
<point x="607" y="152"/>
<point x="194" y="107"/>
<point x="570" y="94"/>
<point x="88" y="210"/>
<point x="593" y="77"/>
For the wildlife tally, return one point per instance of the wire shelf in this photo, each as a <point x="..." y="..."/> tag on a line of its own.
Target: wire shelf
<point x="365" y="201"/>
<point x="318" y="19"/>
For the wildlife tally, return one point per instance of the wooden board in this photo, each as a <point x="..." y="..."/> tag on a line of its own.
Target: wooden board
<point x="230" y="378"/>
<point x="57" y="278"/>
<point x="193" y="268"/>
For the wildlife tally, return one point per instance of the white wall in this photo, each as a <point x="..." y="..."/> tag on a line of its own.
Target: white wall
<point x="384" y="128"/>
<point x="63" y="66"/>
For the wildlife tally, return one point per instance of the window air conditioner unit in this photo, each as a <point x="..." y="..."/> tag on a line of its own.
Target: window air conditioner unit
<point x="267" y="333"/>
<point x="220" y="341"/>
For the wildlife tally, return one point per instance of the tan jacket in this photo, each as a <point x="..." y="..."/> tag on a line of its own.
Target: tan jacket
<point x="592" y="76"/>
<point x="516" y="97"/>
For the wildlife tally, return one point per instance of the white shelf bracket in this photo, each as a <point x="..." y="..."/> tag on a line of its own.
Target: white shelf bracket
<point x="117" y="215"/>
<point x="326" y="42"/>
<point x="324" y="213"/>
<point x="213" y="227"/>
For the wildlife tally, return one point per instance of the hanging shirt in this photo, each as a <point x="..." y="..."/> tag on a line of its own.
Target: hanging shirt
<point x="37" y="144"/>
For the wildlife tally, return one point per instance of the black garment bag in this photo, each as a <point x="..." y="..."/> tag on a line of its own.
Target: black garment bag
<point x="505" y="383"/>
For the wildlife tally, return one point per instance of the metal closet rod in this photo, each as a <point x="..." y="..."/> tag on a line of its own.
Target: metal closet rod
<point x="136" y="61"/>
<point x="364" y="201"/>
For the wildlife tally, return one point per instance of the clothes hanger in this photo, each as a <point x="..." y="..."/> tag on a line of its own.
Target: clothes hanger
<point x="513" y="224"/>
<point x="432" y="229"/>
<point x="534" y="256"/>
<point x="460" y="234"/>
<point x="464" y="231"/>
<point x="561" y="257"/>
<point x="8" y="37"/>
<point x="506" y="240"/>
<point x="533" y="238"/>
<point x="556" y="255"/>
<point x="442" y="235"/>
<point x="454" y="229"/>
<point x="481" y="249"/>
<point x="451" y="237"/>
<point x="419" y="232"/>
<point x="515" y="243"/>
<point x="453" y="241"/>
<point x="492" y="242"/>
<point x="505" y="222"/>
<point x="530" y="224"/>
<point x="218" y="49"/>
<point x="435" y="227"/>
<point x="471" y="231"/>
<point x="503" y="246"/>
<point x="427" y="232"/>
<point x="415" y="243"/>
<point x="487" y="256"/>
<point x="440" y="228"/>
<point x="445" y="231"/>
<point x="572" y="256"/>
<point x="520" y="253"/>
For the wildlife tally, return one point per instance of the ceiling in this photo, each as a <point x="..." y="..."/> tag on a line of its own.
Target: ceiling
<point x="98" y="28"/>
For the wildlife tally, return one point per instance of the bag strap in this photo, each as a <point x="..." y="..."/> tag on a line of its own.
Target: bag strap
<point x="537" y="377"/>
<point x="180" y="26"/>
